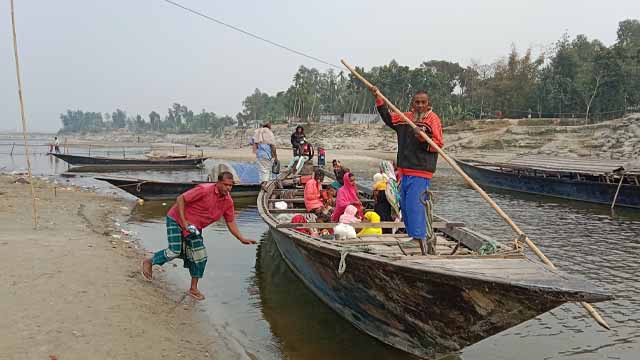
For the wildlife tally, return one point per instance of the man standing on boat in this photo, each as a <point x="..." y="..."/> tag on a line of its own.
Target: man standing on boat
<point x="416" y="161"/>
<point x="193" y="211"/>
<point x="264" y="146"/>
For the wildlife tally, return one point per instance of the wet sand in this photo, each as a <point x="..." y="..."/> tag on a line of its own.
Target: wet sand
<point x="73" y="291"/>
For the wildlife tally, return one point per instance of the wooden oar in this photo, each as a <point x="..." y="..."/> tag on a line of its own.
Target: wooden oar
<point x="594" y="314"/>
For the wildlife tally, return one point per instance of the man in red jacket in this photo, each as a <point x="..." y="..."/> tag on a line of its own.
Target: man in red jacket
<point x="416" y="161"/>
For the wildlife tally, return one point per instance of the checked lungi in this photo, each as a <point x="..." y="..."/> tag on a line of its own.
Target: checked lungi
<point x="189" y="248"/>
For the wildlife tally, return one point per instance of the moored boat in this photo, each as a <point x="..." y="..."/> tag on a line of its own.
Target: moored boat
<point x="596" y="181"/>
<point x="97" y="163"/>
<point x="164" y="190"/>
<point x="425" y="305"/>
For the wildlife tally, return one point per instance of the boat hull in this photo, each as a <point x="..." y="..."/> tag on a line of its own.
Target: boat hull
<point x="157" y="190"/>
<point x="590" y="191"/>
<point x="95" y="162"/>
<point x="425" y="314"/>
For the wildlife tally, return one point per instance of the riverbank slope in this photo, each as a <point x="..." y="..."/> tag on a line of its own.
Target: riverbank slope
<point x="73" y="291"/>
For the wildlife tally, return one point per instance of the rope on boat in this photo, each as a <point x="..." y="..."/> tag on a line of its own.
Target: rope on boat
<point x="346" y="250"/>
<point x="342" y="267"/>
<point x="426" y="198"/>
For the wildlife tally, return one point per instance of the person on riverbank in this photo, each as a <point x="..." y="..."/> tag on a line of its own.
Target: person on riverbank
<point x="416" y="160"/>
<point x="193" y="211"/>
<point x="264" y="146"/>
<point x="305" y="153"/>
<point x="56" y="145"/>
<point x="297" y="136"/>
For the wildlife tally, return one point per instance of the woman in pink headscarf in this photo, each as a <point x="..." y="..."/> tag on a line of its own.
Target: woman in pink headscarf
<point x="347" y="195"/>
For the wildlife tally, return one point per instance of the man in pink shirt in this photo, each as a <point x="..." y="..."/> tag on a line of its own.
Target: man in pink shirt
<point x="193" y="211"/>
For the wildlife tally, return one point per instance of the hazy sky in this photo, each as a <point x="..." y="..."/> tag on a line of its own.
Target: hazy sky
<point x="143" y="55"/>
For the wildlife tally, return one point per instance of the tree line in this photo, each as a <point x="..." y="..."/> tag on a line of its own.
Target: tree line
<point x="575" y="77"/>
<point x="179" y="119"/>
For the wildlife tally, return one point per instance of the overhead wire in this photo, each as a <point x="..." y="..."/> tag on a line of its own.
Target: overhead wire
<point x="255" y="36"/>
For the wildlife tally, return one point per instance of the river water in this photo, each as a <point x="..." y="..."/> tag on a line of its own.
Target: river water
<point x="256" y="308"/>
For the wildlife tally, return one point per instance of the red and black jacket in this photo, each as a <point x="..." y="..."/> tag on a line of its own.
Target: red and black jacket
<point x="415" y="156"/>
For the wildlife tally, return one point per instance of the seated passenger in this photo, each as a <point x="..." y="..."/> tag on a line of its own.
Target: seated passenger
<point x="313" y="193"/>
<point x="371" y="217"/>
<point x="349" y="215"/>
<point x="347" y="195"/>
<point x="299" y="219"/>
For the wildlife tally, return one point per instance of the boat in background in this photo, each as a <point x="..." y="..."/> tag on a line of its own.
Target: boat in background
<point x="94" y="163"/>
<point x="596" y="181"/>
<point x="426" y="305"/>
<point x="164" y="190"/>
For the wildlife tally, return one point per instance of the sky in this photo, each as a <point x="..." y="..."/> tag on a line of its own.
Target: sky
<point x="144" y="55"/>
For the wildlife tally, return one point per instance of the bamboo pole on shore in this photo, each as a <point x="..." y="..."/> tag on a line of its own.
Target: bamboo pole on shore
<point x="594" y="314"/>
<point x="24" y="120"/>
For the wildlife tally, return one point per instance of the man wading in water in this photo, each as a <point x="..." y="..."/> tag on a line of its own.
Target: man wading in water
<point x="193" y="211"/>
<point x="416" y="161"/>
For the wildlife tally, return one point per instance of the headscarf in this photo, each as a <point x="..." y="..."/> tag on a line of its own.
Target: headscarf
<point x="349" y="215"/>
<point x="347" y="195"/>
<point x="372" y="217"/>
<point x="299" y="219"/>
<point x="379" y="182"/>
<point x="392" y="191"/>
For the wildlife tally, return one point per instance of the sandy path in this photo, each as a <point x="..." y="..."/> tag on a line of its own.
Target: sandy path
<point x="71" y="290"/>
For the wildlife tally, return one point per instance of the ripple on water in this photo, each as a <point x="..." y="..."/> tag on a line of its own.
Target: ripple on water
<point x="255" y="299"/>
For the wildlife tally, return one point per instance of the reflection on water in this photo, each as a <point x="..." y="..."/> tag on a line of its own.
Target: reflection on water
<point x="304" y="327"/>
<point x="255" y="305"/>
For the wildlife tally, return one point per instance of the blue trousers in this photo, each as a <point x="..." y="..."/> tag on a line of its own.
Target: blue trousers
<point x="411" y="191"/>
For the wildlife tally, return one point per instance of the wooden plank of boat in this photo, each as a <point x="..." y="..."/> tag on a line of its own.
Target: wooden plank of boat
<point x="425" y="305"/>
<point x="301" y="201"/>
<point x="571" y="187"/>
<point x="362" y="225"/>
<point x="558" y="165"/>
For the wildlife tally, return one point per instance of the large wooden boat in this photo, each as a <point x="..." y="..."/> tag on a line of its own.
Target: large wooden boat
<point x="97" y="163"/>
<point x="426" y="305"/>
<point x="595" y="181"/>
<point x="163" y="190"/>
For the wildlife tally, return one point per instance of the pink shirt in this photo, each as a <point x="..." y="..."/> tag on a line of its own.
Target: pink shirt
<point x="203" y="206"/>
<point x="312" y="196"/>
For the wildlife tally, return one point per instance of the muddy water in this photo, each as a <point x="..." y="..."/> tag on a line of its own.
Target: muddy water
<point x="256" y="308"/>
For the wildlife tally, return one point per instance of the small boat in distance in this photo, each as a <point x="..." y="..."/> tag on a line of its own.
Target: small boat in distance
<point x="94" y="163"/>
<point x="596" y="181"/>
<point x="164" y="190"/>
<point x="426" y="305"/>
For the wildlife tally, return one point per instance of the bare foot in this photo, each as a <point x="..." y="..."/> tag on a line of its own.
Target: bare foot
<point x="147" y="270"/>
<point x="196" y="294"/>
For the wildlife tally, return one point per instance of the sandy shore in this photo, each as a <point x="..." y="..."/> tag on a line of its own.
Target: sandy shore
<point x="71" y="290"/>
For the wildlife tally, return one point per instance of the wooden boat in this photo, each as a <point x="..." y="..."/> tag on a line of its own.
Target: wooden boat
<point x="595" y="181"/>
<point x="426" y="305"/>
<point x="137" y="164"/>
<point x="163" y="190"/>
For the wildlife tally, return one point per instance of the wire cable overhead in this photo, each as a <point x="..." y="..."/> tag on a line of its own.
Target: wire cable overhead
<point x="255" y="36"/>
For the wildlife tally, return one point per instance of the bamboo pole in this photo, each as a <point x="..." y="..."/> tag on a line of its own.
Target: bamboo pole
<point x="596" y="316"/>
<point x="615" y="197"/>
<point x="24" y="120"/>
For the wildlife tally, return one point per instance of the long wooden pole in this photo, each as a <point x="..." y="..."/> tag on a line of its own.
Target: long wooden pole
<point x="24" y="121"/>
<point x="476" y="187"/>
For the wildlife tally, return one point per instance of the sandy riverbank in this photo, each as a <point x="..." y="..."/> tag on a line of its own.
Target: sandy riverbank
<point x="73" y="291"/>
